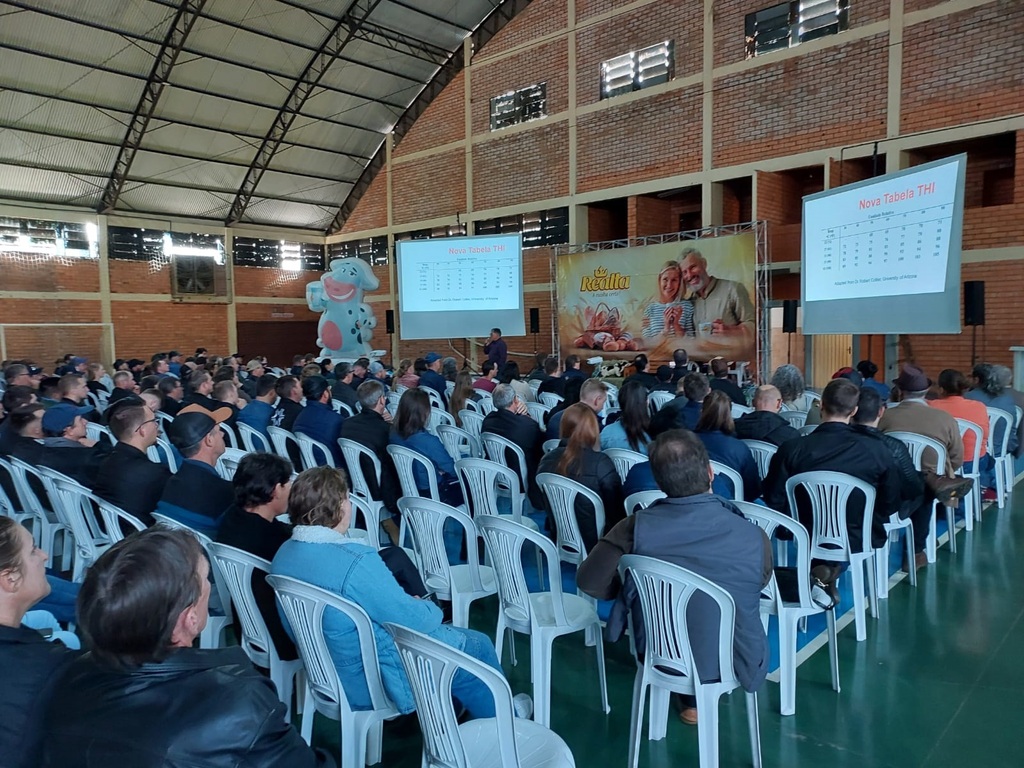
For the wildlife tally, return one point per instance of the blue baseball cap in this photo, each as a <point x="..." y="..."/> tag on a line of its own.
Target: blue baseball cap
<point x="61" y="416"/>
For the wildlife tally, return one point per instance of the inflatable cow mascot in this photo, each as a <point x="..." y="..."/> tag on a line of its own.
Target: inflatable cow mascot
<point x="347" y="323"/>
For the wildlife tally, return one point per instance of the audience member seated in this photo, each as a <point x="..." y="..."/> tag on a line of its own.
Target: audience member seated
<point x="379" y="372"/>
<point x="360" y="368"/>
<point x="764" y="423"/>
<point x="411" y="432"/>
<point x="704" y="534"/>
<point x="49" y="390"/>
<point x="289" y="404"/>
<point x="18" y="375"/>
<point x="431" y="377"/>
<point x="172" y="393"/>
<point x="665" y="382"/>
<point x="642" y="372"/>
<point x="227" y="395"/>
<point x="630" y="429"/>
<point x="200" y="387"/>
<point x="510" y="375"/>
<point x="343" y="389"/>
<point x="371" y="427"/>
<point x="509" y="419"/>
<point x="142" y="605"/>
<point x="197" y="495"/>
<point x="572" y="368"/>
<point x="992" y="389"/>
<point x="952" y="386"/>
<point x="593" y="393"/>
<point x="72" y="390"/>
<point x="463" y="391"/>
<point x="538" y="368"/>
<point x="124" y="386"/>
<point x="94" y="373"/>
<point x="684" y="410"/>
<point x="716" y="430"/>
<point x="406" y="375"/>
<point x="578" y="458"/>
<point x="321" y="553"/>
<point x="65" y="445"/>
<point x="790" y="383"/>
<point x="16" y="396"/>
<point x="835" y="446"/>
<point x="253" y="370"/>
<point x="126" y="477"/>
<point x="868" y="370"/>
<point x="913" y="500"/>
<point x="721" y="382"/>
<point x="553" y="381"/>
<point x="22" y="430"/>
<point x="318" y="419"/>
<point x="32" y="666"/>
<point x="260" y="410"/>
<point x="449" y="369"/>
<point x="680" y="368"/>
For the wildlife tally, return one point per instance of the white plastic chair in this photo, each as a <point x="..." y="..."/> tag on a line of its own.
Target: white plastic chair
<point x="462" y="583"/>
<point x="472" y="421"/>
<point x="354" y="453"/>
<point x="624" y="460"/>
<point x="972" y="502"/>
<point x="790" y="614"/>
<point x="828" y="494"/>
<point x="541" y="615"/>
<point x="435" y="398"/>
<point x="437" y="418"/>
<point x="160" y="452"/>
<point x="739" y="411"/>
<point x="999" y="420"/>
<point x="737" y="480"/>
<point x="405" y="459"/>
<point x="115" y="519"/>
<point x="71" y="503"/>
<point x="236" y="567"/>
<point x="917" y="444"/>
<point x="549" y="445"/>
<point x="498" y="448"/>
<point x="762" y="452"/>
<point x="253" y="439"/>
<point x="642" y="500"/>
<point x="30" y="508"/>
<point x="229" y="436"/>
<point x="664" y="592"/>
<point x="286" y="445"/>
<point x="216" y="626"/>
<point x="538" y="412"/>
<point x="341" y="407"/>
<point x="303" y="606"/>
<point x="550" y="399"/>
<point x="98" y="432"/>
<point x="485" y="403"/>
<point x="228" y="463"/>
<point x="503" y="741"/>
<point x="313" y="451"/>
<point x="656" y="400"/>
<point x="806" y="429"/>
<point x="796" y="419"/>
<point x="561" y="493"/>
<point x="460" y="443"/>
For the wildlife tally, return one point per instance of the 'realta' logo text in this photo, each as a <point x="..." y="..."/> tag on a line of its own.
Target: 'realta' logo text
<point x="603" y="281"/>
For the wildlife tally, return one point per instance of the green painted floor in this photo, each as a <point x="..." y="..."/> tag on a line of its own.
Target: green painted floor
<point x="938" y="682"/>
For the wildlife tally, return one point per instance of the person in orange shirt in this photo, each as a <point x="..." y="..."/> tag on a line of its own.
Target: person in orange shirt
<point x="952" y="385"/>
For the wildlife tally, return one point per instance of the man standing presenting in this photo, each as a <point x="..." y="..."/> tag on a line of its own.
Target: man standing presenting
<point x="496" y="349"/>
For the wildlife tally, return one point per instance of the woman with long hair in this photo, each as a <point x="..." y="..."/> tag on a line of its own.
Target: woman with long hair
<point x="320" y="552"/>
<point x="630" y="430"/>
<point x="667" y="314"/>
<point x="410" y="431"/>
<point x="579" y="458"/>
<point x="717" y="431"/>
<point x="406" y="376"/>
<point x="463" y="391"/>
<point x="510" y="375"/>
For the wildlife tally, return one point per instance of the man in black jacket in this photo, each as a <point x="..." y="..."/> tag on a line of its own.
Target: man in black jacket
<point x="837" y="447"/>
<point x="126" y="477"/>
<point x="142" y="605"/>
<point x="289" y="404"/>
<point x="684" y="410"/>
<point x="509" y="420"/>
<point x="765" y="423"/>
<point x="371" y="427"/>
<point x="720" y="380"/>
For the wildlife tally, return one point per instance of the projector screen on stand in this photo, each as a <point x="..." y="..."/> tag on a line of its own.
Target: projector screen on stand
<point x="883" y="255"/>
<point x="457" y="287"/>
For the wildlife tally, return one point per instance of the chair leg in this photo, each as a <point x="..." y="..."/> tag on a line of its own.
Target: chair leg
<point x="374" y="742"/>
<point x="754" y="726"/>
<point x="283" y="681"/>
<point x="932" y="542"/>
<point x="499" y="637"/>
<point x="859" y="619"/>
<point x="881" y="566"/>
<point x="601" y="674"/>
<point x="908" y="536"/>
<point x="636" y="717"/>
<point x="833" y="649"/>
<point x="540" y="658"/>
<point x="460" y="610"/>
<point x="787" y="662"/>
<point x="707" y="726"/>
<point x="872" y="586"/>
<point x="951" y="524"/>
<point x="308" y="713"/>
<point x="657" y="725"/>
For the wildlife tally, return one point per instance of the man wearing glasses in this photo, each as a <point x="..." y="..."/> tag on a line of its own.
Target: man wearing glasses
<point x="127" y="478"/>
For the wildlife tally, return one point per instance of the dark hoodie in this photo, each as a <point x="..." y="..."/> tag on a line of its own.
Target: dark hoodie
<point x="766" y="426"/>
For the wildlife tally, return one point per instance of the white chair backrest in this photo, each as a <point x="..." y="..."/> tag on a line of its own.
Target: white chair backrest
<point x="435" y="398"/>
<point x="437" y="418"/>
<point x="165" y="420"/>
<point x="624" y="460"/>
<point x="405" y="459"/>
<point x="115" y="519"/>
<point x="99" y="432"/>
<point x="642" y="500"/>
<point x="431" y="666"/>
<point x="918" y="444"/>
<point x="737" y="480"/>
<point x="656" y="400"/>
<point x="281" y="440"/>
<point x="229" y="436"/>
<point x="341" y="407"/>
<point x="170" y="522"/>
<point x="561" y="493"/>
<point x="762" y="452"/>
<point x="999" y="426"/>
<point x="472" y="422"/>
<point x="355" y="453"/>
<point x="449" y="387"/>
<point x="303" y="606"/>
<point x="538" y="412"/>
<point x="227" y="464"/>
<point x="427" y="519"/>
<point x="253" y="439"/>
<point x="534" y="384"/>
<point x="665" y="591"/>
<point x="371" y="520"/>
<point x="769" y="521"/>
<point x="236" y="567"/>
<point x="829" y="494"/>
<point x="74" y="509"/>
<point x="550" y="445"/>
<point x="965" y="426"/>
<point x="806" y="429"/>
<point x="740" y="410"/>
<point x="795" y="418"/>
<point x="498" y="448"/>
<point x="485" y="403"/>
<point x="314" y="453"/>
<point x="394" y="398"/>
<point x="161" y="452"/>
<point x="550" y="399"/>
<point x="482" y="481"/>
<point x="460" y="443"/>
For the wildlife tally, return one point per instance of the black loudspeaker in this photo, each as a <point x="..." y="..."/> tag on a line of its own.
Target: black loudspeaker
<point x="534" y="320"/>
<point x="789" y="316"/>
<point x="389" y="320"/>
<point x="974" y="302"/>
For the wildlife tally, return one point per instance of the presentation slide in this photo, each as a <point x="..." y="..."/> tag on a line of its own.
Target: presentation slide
<point x="460" y="286"/>
<point x="883" y="256"/>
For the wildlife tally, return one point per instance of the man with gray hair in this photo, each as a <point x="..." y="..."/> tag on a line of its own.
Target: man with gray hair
<point x="722" y="310"/>
<point x="509" y="419"/>
<point x="593" y="393"/>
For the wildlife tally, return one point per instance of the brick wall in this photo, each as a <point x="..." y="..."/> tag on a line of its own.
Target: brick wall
<point x="372" y="210"/>
<point x="441" y="123"/>
<point x="542" y="63"/>
<point x="143" y="327"/>
<point x="42" y="273"/>
<point x="432" y="187"/>
<point x="521" y="167"/>
<point x="140" y="276"/>
<point x="279" y="283"/>
<point x="540" y="18"/>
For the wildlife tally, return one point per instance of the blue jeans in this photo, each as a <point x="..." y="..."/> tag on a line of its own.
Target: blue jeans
<point x="466" y="688"/>
<point x="986" y="470"/>
<point x="61" y="600"/>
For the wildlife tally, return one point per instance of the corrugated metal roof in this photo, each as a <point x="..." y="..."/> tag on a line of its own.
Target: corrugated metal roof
<point x="317" y="84"/>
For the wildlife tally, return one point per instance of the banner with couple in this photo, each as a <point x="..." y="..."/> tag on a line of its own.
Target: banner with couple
<point x="693" y="294"/>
